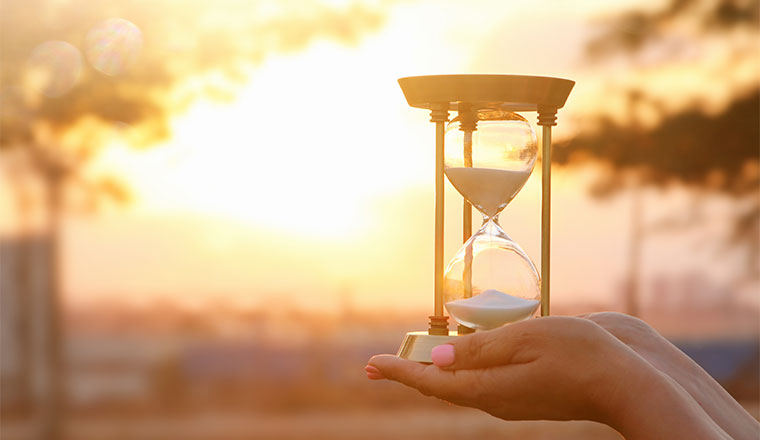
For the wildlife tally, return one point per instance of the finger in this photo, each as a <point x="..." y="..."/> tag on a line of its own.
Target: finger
<point x="511" y="344"/>
<point x="428" y="379"/>
<point x="624" y="327"/>
<point x="483" y="349"/>
<point x="373" y="373"/>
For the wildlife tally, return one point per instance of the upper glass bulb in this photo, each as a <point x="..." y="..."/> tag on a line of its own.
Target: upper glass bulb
<point x="497" y="154"/>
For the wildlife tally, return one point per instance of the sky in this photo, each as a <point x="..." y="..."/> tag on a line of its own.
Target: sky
<point x="313" y="183"/>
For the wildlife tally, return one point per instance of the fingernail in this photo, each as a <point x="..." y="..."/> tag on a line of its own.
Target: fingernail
<point x="443" y="355"/>
<point x="373" y="373"/>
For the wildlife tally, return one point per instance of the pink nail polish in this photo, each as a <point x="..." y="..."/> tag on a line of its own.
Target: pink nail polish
<point x="372" y="369"/>
<point x="375" y="376"/>
<point x="443" y="355"/>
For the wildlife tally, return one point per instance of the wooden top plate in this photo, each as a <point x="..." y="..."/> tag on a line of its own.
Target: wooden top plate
<point x="508" y="92"/>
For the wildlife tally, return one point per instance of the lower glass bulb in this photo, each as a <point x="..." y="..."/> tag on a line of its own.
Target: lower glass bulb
<point x="491" y="281"/>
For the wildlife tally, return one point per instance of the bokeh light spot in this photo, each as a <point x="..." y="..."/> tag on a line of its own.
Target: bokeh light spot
<point x="113" y="46"/>
<point x="53" y="68"/>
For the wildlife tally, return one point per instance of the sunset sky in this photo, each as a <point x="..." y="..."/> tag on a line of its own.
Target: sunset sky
<point x="312" y="181"/>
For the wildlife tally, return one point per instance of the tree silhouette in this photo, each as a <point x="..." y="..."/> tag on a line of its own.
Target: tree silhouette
<point x="700" y="149"/>
<point x="44" y="99"/>
<point x="694" y="148"/>
<point x="631" y="31"/>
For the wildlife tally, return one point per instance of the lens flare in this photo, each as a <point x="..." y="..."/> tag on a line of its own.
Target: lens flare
<point x="113" y="46"/>
<point x="53" y="68"/>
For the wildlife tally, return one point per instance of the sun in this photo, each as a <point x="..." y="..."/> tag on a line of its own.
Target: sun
<point x="298" y="149"/>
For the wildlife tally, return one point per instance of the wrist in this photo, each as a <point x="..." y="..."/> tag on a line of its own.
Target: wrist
<point x="643" y="403"/>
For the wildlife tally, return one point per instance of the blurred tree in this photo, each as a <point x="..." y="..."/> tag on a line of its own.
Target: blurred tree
<point x="73" y="76"/>
<point x="698" y="149"/>
<point x="631" y="31"/>
<point x="683" y="145"/>
<point x="716" y="149"/>
<point x="703" y="150"/>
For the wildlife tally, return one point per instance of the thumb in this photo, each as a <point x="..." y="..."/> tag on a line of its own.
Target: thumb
<point x="455" y="387"/>
<point x="483" y="349"/>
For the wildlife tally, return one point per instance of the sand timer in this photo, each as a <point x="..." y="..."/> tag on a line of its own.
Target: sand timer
<point x="490" y="152"/>
<point x="490" y="281"/>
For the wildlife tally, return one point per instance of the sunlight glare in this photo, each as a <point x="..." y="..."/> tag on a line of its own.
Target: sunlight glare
<point x="53" y="69"/>
<point x="267" y="160"/>
<point x="113" y="46"/>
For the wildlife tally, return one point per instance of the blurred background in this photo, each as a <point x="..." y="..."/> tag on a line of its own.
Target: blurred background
<point x="212" y="213"/>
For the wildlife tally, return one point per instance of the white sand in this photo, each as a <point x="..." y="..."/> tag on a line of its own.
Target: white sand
<point x="491" y="309"/>
<point x="487" y="189"/>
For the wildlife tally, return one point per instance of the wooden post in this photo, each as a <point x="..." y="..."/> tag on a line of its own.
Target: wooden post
<point x="439" y="323"/>
<point x="547" y="116"/>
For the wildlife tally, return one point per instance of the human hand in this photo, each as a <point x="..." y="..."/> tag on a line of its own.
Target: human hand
<point x="556" y="368"/>
<point x="553" y="368"/>
<point x="668" y="359"/>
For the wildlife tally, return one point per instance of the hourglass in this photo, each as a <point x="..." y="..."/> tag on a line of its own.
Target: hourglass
<point x="489" y="155"/>
<point x="490" y="281"/>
